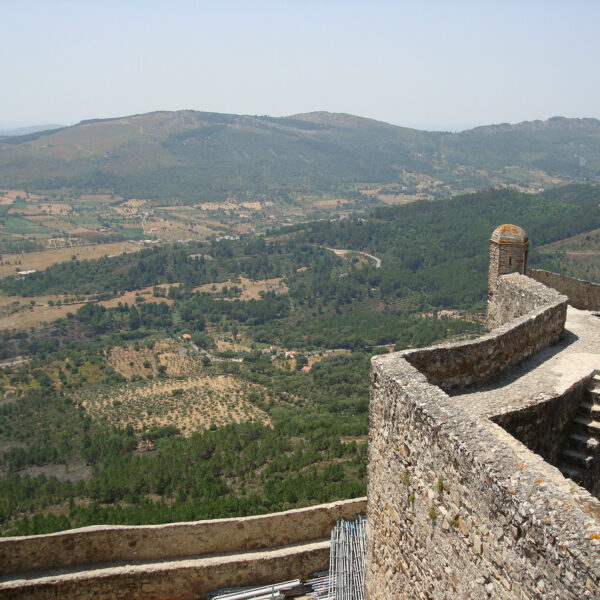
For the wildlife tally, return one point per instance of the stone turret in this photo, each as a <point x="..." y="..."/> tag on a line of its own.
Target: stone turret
<point x="509" y="245"/>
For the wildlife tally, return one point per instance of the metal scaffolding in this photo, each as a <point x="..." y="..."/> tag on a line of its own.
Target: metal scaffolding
<point x="347" y="559"/>
<point x="275" y="591"/>
<point x="345" y="580"/>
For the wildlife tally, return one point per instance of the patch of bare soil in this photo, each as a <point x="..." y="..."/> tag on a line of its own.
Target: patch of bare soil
<point x="40" y="260"/>
<point x="63" y="472"/>
<point x="145" y="293"/>
<point x="17" y="312"/>
<point x="226" y="346"/>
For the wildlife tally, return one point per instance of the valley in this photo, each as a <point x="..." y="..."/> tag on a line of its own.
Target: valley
<point x="200" y="354"/>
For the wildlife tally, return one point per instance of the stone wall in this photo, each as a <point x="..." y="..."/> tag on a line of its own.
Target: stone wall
<point x="493" y="268"/>
<point x="543" y="426"/>
<point x="504" y="259"/>
<point x="516" y="296"/>
<point x="103" y="544"/>
<point x="458" y="508"/>
<point x="191" y="579"/>
<point x="466" y="363"/>
<point x="582" y="294"/>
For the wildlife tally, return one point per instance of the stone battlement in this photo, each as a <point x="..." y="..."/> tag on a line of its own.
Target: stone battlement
<point x="582" y="294"/>
<point x="529" y="316"/>
<point x="464" y="500"/>
<point x="176" y="560"/>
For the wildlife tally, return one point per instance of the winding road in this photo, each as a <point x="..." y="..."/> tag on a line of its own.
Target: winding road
<point x="344" y="252"/>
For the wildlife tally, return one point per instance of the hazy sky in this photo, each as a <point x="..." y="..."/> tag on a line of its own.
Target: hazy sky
<point x="425" y="64"/>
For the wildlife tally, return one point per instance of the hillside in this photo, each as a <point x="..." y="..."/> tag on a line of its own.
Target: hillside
<point x="190" y="156"/>
<point x="230" y="377"/>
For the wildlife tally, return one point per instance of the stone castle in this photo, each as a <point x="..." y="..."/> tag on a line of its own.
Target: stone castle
<point x="470" y="444"/>
<point x="484" y="476"/>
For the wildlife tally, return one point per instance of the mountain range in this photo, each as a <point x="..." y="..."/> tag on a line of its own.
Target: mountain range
<point x="28" y="130"/>
<point x="185" y="156"/>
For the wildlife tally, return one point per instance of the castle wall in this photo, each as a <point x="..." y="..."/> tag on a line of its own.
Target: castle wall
<point x="582" y="294"/>
<point x="535" y="318"/>
<point x="182" y="580"/>
<point x="458" y="508"/>
<point x="542" y="427"/>
<point x="505" y="258"/>
<point x="516" y="296"/>
<point x="493" y="268"/>
<point x="100" y="543"/>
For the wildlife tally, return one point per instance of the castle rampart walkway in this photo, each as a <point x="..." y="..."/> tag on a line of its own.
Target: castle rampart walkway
<point x="550" y="373"/>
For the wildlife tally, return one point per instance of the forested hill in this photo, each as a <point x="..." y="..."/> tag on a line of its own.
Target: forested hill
<point x="433" y="253"/>
<point x="190" y="156"/>
<point x="439" y="251"/>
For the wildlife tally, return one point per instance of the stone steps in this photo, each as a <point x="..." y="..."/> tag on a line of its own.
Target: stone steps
<point x="584" y="442"/>
<point x="580" y="459"/>
<point x="589" y="425"/>
<point x="590" y="409"/>
<point x="572" y="473"/>
<point x="188" y="577"/>
<point x="593" y="397"/>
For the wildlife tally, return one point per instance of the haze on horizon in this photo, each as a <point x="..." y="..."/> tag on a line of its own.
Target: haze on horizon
<point x="431" y="65"/>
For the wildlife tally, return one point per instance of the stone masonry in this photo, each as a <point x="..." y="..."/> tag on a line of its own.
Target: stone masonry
<point x="582" y="294"/>
<point x="179" y="561"/>
<point x="509" y="246"/>
<point x="457" y="506"/>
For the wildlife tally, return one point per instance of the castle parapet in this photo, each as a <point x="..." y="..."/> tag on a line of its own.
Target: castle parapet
<point x="518" y="296"/>
<point x="526" y="317"/>
<point x="179" y="561"/>
<point x="582" y="294"/>
<point x="457" y="506"/>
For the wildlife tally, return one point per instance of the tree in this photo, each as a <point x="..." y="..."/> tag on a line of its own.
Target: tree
<point x="134" y="318"/>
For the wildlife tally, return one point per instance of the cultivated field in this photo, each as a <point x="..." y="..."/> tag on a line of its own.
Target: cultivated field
<point x="45" y="208"/>
<point x="190" y="404"/>
<point x="18" y="313"/>
<point x="10" y="196"/>
<point x="230" y="205"/>
<point x="332" y="203"/>
<point x="175" y="229"/>
<point x="146" y="293"/>
<point x="145" y="361"/>
<point x="9" y="263"/>
<point x="251" y="289"/>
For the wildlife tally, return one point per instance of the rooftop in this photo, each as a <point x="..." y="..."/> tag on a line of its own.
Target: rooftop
<point x="509" y="234"/>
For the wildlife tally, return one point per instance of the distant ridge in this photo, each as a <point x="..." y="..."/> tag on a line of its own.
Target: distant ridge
<point x="190" y="156"/>
<point x="28" y="130"/>
<point x="538" y="125"/>
<point x="340" y="120"/>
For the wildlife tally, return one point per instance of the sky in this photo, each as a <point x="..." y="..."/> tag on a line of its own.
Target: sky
<point x="426" y="64"/>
